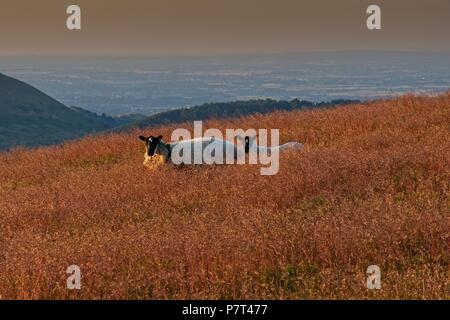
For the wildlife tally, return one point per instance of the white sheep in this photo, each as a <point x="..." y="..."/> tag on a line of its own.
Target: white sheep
<point x="207" y="150"/>
<point x="202" y="151"/>
<point x="252" y="146"/>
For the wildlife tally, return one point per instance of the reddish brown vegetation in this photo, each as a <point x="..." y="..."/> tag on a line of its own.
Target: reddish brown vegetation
<point x="370" y="187"/>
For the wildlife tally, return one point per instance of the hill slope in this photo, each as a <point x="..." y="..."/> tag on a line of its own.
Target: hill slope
<point x="29" y="117"/>
<point x="228" y="110"/>
<point x="371" y="187"/>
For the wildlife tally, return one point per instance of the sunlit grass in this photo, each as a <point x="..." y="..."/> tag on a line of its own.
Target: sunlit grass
<point x="371" y="186"/>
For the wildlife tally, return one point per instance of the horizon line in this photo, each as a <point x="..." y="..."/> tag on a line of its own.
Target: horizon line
<point x="200" y="54"/>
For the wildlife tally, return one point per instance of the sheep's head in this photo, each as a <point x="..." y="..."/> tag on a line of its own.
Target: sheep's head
<point x="151" y="144"/>
<point x="152" y="158"/>
<point x="248" y="141"/>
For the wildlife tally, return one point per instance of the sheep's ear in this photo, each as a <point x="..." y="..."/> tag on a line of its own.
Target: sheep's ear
<point x="160" y="137"/>
<point x="142" y="138"/>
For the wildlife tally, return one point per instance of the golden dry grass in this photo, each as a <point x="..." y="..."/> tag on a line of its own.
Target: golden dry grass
<point x="370" y="187"/>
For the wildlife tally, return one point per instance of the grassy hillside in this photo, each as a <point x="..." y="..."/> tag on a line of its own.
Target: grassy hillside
<point x="29" y="117"/>
<point x="372" y="186"/>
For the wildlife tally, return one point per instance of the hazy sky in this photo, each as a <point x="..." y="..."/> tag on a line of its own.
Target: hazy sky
<point x="221" y="26"/>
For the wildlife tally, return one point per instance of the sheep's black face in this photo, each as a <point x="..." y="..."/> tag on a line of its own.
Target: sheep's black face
<point x="151" y="143"/>
<point x="247" y="144"/>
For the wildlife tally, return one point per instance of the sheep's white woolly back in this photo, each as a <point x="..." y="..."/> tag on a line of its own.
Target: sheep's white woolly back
<point x="286" y="146"/>
<point x="291" y="145"/>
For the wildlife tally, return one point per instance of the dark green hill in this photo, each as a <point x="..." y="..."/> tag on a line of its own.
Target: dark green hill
<point x="29" y="117"/>
<point x="228" y="110"/>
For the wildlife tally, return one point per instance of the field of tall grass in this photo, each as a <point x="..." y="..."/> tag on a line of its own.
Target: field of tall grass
<point x="371" y="187"/>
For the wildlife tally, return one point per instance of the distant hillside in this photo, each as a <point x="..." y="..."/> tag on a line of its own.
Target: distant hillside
<point x="108" y="121"/>
<point x="228" y="110"/>
<point x="29" y="117"/>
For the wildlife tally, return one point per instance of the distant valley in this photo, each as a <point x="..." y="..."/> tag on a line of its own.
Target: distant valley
<point x="119" y="84"/>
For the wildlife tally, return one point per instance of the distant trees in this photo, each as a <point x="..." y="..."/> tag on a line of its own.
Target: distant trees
<point x="231" y="109"/>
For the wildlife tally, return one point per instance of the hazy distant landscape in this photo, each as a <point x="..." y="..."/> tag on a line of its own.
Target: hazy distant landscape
<point x="118" y="85"/>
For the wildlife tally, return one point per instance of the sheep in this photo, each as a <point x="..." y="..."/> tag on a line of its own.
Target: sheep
<point x="158" y="151"/>
<point x="252" y="146"/>
<point x="211" y="150"/>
